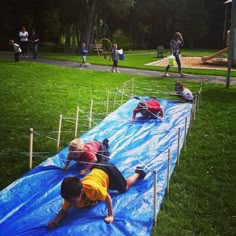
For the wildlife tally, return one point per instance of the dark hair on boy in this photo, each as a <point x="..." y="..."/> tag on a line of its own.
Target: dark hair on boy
<point x="142" y="106"/>
<point x="71" y="187"/>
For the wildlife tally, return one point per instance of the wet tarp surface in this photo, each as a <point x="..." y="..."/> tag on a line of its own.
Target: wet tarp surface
<point x="29" y="203"/>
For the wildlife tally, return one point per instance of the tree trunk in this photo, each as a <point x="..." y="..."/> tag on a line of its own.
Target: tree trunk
<point x="73" y="39"/>
<point x="67" y="39"/>
<point x="87" y="29"/>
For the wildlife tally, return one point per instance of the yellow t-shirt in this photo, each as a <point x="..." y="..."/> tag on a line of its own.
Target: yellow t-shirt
<point x="95" y="186"/>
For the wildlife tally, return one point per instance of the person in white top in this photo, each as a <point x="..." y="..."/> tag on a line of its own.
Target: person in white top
<point x="23" y="35"/>
<point x="183" y="92"/>
<point x="16" y="49"/>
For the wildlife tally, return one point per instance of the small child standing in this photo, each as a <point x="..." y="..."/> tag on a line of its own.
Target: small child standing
<point x="88" y="153"/>
<point x="115" y="58"/>
<point x="16" y="48"/>
<point x="84" y="55"/>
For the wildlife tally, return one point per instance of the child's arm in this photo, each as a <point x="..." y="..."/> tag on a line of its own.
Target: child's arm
<point x="69" y="158"/>
<point x="134" y="113"/>
<point x="89" y="166"/>
<point x="161" y="111"/>
<point x="66" y="165"/>
<point x="109" y="218"/>
<point x="60" y="215"/>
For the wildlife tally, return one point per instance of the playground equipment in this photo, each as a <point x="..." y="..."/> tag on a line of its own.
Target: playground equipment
<point x="104" y="46"/>
<point x="217" y="54"/>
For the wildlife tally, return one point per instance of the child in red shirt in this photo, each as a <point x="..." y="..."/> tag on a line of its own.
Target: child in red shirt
<point x="150" y="109"/>
<point x="90" y="152"/>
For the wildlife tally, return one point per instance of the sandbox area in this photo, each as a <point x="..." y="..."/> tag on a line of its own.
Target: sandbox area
<point x="196" y="62"/>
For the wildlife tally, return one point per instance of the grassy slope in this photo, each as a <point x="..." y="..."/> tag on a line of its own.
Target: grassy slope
<point x="201" y="198"/>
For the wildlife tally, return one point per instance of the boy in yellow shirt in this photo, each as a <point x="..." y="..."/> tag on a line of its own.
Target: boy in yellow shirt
<point x="94" y="187"/>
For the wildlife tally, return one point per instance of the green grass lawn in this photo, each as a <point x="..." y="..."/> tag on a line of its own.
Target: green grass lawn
<point x="202" y="190"/>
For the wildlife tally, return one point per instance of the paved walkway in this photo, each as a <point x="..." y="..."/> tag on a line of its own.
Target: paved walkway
<point x="148" y="73"/>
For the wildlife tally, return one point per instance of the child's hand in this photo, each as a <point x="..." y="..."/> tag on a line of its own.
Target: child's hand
<point x="52" y="224"/>
<point x="83" y="172"/>
<point x="109" y="219"/>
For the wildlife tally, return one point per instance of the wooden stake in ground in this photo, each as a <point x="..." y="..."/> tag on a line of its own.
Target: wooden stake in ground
<point x="90" y="114"/>
<point x="155" y="197"/>
<point x="59" y="132"/>
<point x="122" y="94"/>
<point x="107" y="107"/>
<point x="178" y="147"/>
<point x="31" y="137"/>
<point x="114" y="102"/>
<point x="132" y="88"/>
<point x="76" y="122"/>
<point x="185" y="131"/>
<point x="168" y="172"/>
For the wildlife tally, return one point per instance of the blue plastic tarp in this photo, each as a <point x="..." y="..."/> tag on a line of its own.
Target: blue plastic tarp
<point x="29" y="203"/>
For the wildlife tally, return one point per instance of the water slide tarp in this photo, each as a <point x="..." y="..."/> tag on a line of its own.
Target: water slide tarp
<point x="29" y="203"/>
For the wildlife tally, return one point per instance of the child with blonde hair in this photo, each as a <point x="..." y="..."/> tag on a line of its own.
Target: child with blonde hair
<point x="87" y="153"/>
<point x="115" y="58"/>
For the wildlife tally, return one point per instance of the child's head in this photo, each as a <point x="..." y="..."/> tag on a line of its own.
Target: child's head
<point x="142" y="106"/>
<point x="76" y="145"/>
<point x="23" y="28"/>
<point x="72" y="189"/>
<point x="114" y="46"/>
<point x="11" y="42"/>
<point x="179" y="86"/>
<point x="83" y="45"/>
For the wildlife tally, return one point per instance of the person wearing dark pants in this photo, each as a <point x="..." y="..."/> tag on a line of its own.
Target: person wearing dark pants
<point x="175" y="45"/>
<point x="34" y="39"/>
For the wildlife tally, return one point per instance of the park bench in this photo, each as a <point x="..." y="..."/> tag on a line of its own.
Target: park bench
<point x="160" y="51"/>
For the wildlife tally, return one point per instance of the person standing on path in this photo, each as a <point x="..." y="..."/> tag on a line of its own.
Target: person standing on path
<point x="34" y="40"/>
<point x="176" y="43"/>
<point x="23" y="35"/>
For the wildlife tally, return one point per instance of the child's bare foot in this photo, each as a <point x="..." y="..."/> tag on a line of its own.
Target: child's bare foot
<point x="109" y="219"/>
<point x="166" y="75"/>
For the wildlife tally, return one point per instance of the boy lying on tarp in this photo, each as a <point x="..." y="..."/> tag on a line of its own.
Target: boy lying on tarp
<point x="149" y="110"/>
<point x="182" y="92"/>
<point x="90" y="152"/>
<point x="94" y="187"/>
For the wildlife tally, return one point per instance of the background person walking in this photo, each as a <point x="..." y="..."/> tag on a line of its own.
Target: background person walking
<point x="176" y="43"/>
